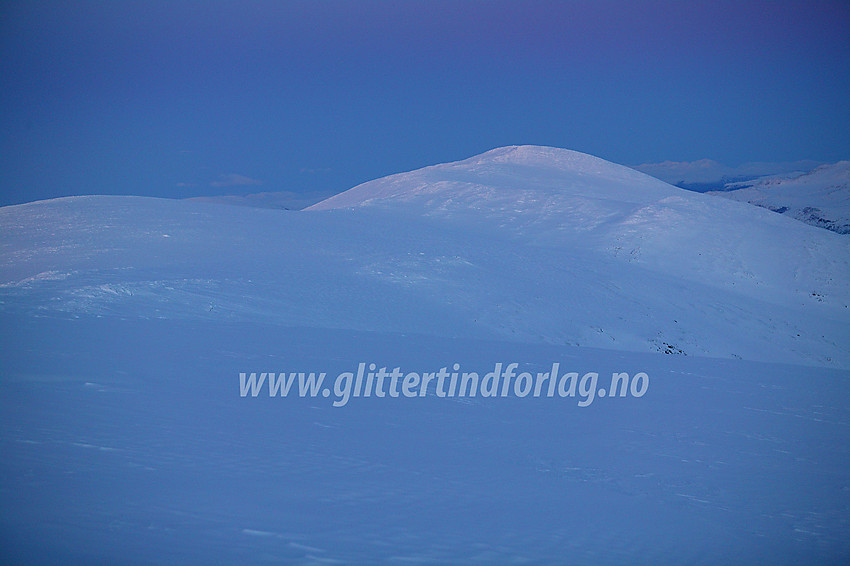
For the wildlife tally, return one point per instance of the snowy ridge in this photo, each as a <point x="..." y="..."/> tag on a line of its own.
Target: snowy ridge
<point x="568" y="200"/>
<point x="536" y="245"/>
<point x="518" y="169"/>
<point x="820" y="197"/>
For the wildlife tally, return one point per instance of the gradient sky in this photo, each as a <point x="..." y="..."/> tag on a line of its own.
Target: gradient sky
<point x="182" y="99"/>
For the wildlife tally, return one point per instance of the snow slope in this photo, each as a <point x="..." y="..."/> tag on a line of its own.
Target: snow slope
<point x="820" y="197"/>
<point x="125" y="322"/>
<point x="714" y="268"/>
<point x="126" y="441"/>
<point x="628" y="284"/>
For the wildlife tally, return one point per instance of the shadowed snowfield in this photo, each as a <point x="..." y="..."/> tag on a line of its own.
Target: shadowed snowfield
<point x="126" y="321"/>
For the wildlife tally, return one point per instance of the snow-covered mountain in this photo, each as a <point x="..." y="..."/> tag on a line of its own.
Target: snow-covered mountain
<point x="523" y="243"/>
<point x="820" y="197"/>
<point x="125" y="323"/>
<point x="697" y="252"/>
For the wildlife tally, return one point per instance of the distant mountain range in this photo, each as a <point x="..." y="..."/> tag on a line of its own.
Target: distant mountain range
<point x="708" y="175"/>
<point x="815" y="194"/>
<point x="820" y="197"/>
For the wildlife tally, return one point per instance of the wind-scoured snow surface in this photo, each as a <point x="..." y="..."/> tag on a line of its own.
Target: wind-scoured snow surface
<point x="126" y="322"/>
<point x="820" y="197"/>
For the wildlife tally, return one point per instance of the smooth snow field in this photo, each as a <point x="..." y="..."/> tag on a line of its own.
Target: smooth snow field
<point x="130" y="437"/>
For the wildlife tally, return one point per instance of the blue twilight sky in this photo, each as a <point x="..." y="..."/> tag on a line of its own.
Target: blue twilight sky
<point x="201" y="98"/>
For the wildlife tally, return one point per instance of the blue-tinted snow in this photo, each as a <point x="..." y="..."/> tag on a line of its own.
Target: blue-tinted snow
<point x="125" y="323"/>
<point x="127" y="441"/>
